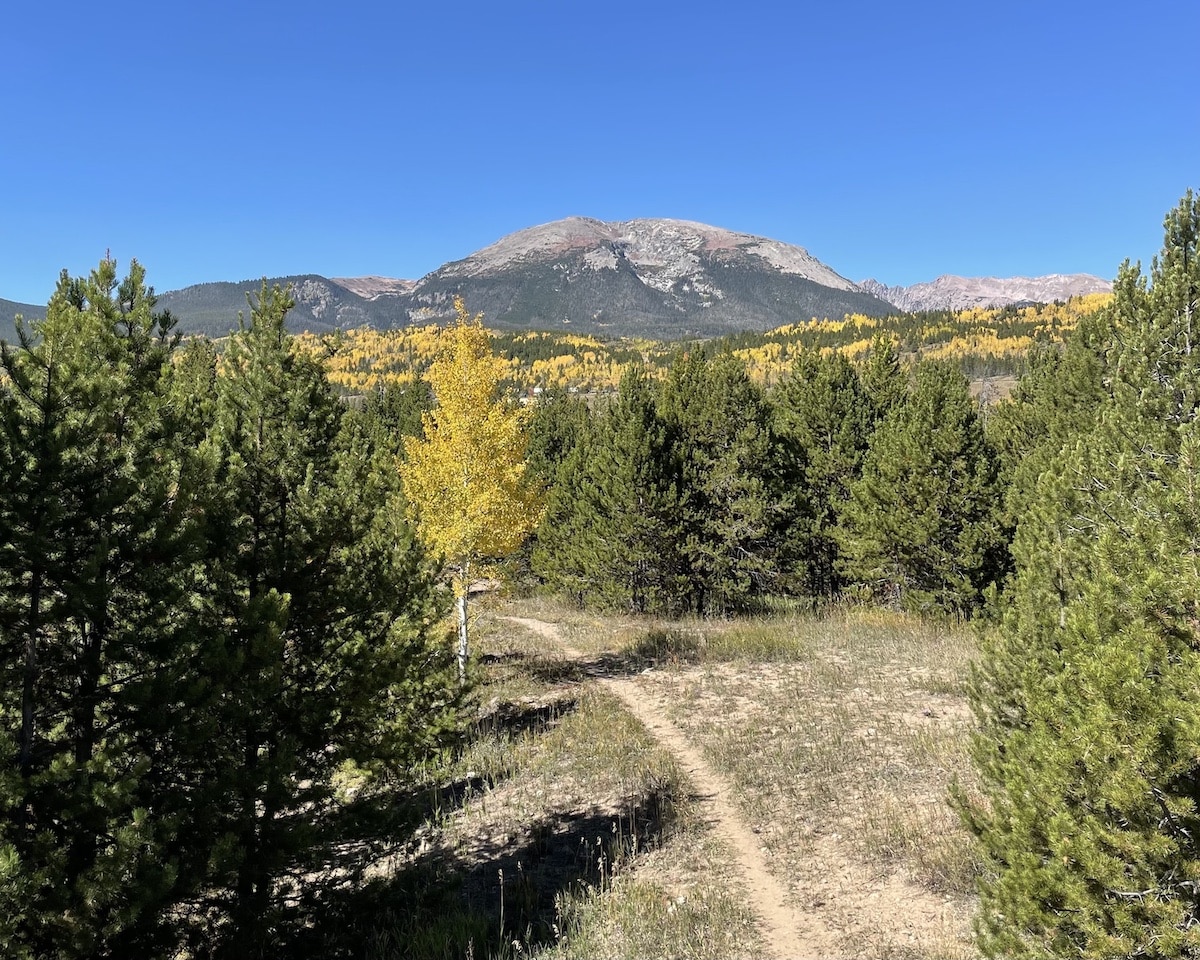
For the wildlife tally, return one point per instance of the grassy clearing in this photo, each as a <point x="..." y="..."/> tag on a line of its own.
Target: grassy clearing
<point x="858" y="734"/>
<point x="561" y="829"/>
<point x="841" y="735"/>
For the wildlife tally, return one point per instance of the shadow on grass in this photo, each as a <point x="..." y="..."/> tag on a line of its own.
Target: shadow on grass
<point x="514" y="719"/>
<point x="655" y="648"/>
<point x="665" y="647"/>
<point x="476" y="901"/>
<point x="379" y="823"/>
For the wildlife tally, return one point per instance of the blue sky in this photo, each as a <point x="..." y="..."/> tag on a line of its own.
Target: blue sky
<point x="226" y="141"/>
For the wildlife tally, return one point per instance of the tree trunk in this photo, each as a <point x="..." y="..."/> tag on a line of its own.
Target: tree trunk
<point x="462" y="634"/>
<point x="464" y="587"/>
<point x="30" y="676"/>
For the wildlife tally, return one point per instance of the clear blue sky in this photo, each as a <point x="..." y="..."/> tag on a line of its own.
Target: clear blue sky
<point x="226" y="141"/>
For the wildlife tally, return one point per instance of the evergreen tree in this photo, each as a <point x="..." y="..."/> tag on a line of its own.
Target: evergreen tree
<point x="825" y="418"/>
<point x="94" y="558"/>
<point x="718" y="430"/>
<point x="1055" y="401"/>
<point x="883" y="379"/>
<point x="558" y="423"/>
<point x="324" y="608"/>
<point x="920" y="526"/>
<point x="396" y="411"/>
<point x="610" y="534"/>
<point x="1089" y="723"/>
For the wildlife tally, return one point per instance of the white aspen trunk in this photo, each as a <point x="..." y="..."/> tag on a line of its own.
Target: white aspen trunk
<point x="464" y="586"/>
<point x="462" y="637"/>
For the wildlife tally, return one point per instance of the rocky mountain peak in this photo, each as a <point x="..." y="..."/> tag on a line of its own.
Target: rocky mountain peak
<point x="949" y="292"/>
<point x="667" y="249"/>
<point x="640" y="277"/>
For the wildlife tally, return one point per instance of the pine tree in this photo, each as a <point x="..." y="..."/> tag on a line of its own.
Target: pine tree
<point x="1089" y="723"/>
<point x="825" y="418"/>
<point x="729" y="516"/>
<point x="396" y="411"/>
<point x="1054" y="402"/>
<point x="611" y="535"/>
<point x="322" y="601"/>
<point x="920" y="527"/>
<point x="94" y="560"/>
<point x="883" y="379"/>
<point x="558" y="423"/>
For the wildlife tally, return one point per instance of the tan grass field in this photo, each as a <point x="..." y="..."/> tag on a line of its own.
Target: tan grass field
<point x="635" y="788"/>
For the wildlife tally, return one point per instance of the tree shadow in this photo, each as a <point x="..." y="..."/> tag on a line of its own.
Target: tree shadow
<point x="654" y="649"/>
<point x="478" y="898"/>
<point x="665" y="647"/>
<point x="515" y="718"/>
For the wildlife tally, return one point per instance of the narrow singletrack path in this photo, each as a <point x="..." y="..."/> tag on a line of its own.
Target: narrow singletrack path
<point x="787" y="933"/>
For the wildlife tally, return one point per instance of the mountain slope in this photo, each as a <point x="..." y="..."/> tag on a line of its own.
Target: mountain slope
<point x="658" y="278"/>
<point x="321" y="306"/>
<point x="961" y="293"/>
<point x="9" y="309"/>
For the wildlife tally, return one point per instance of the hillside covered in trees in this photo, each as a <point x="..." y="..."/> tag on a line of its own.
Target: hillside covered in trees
<point x="225" y="582"/>
<point x="982" y="343"/>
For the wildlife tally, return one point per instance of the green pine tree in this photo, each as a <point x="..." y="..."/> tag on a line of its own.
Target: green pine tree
<point x="1089" y="723"/>
<point x="95" y="553"/>
<point x="558" y="423"/>
<point x="729" y="517"/>
<point x="610" y="534"/>
<point x="325" y="605"/>
<point x="1055" y="401"/>
<point x="825" y="418"/>
<point x="920" y="527"/>
<point x="883" y="379"/>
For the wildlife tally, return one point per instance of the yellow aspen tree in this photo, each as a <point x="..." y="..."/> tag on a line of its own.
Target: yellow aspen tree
<point x="465" y="477"/>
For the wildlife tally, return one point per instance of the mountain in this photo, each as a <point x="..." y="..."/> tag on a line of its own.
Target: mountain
<point x="321" y="305"/>
<point x="961" y="293"/>
<point x="8" y="313"/>
<point x="666" y="279"/>
<point x="657" y="278"/>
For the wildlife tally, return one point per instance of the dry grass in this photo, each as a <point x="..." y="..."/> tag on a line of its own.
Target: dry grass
<point x="562" y="829"/>
<point x="841" y="735"/>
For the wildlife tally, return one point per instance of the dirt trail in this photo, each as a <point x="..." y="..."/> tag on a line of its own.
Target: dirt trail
<point x="789" y="934"/>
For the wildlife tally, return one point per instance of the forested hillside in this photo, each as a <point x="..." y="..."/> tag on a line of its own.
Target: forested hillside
<point x="227" y="571"/>
<point x="982" y="343"/>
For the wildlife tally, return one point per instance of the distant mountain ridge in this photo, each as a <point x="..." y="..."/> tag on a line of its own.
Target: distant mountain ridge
<point x="9" y="309"/>
<point x="322" y="305"/>
<point x="662" y="279"/>
<point x="949" y="292"/>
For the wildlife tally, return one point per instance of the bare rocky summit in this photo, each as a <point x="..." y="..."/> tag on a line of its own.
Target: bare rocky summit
<point x="662" y="251"/>
<point x="961" y="293"/>
<point x="654" y="277"/>
<point x="374" y="288"/>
